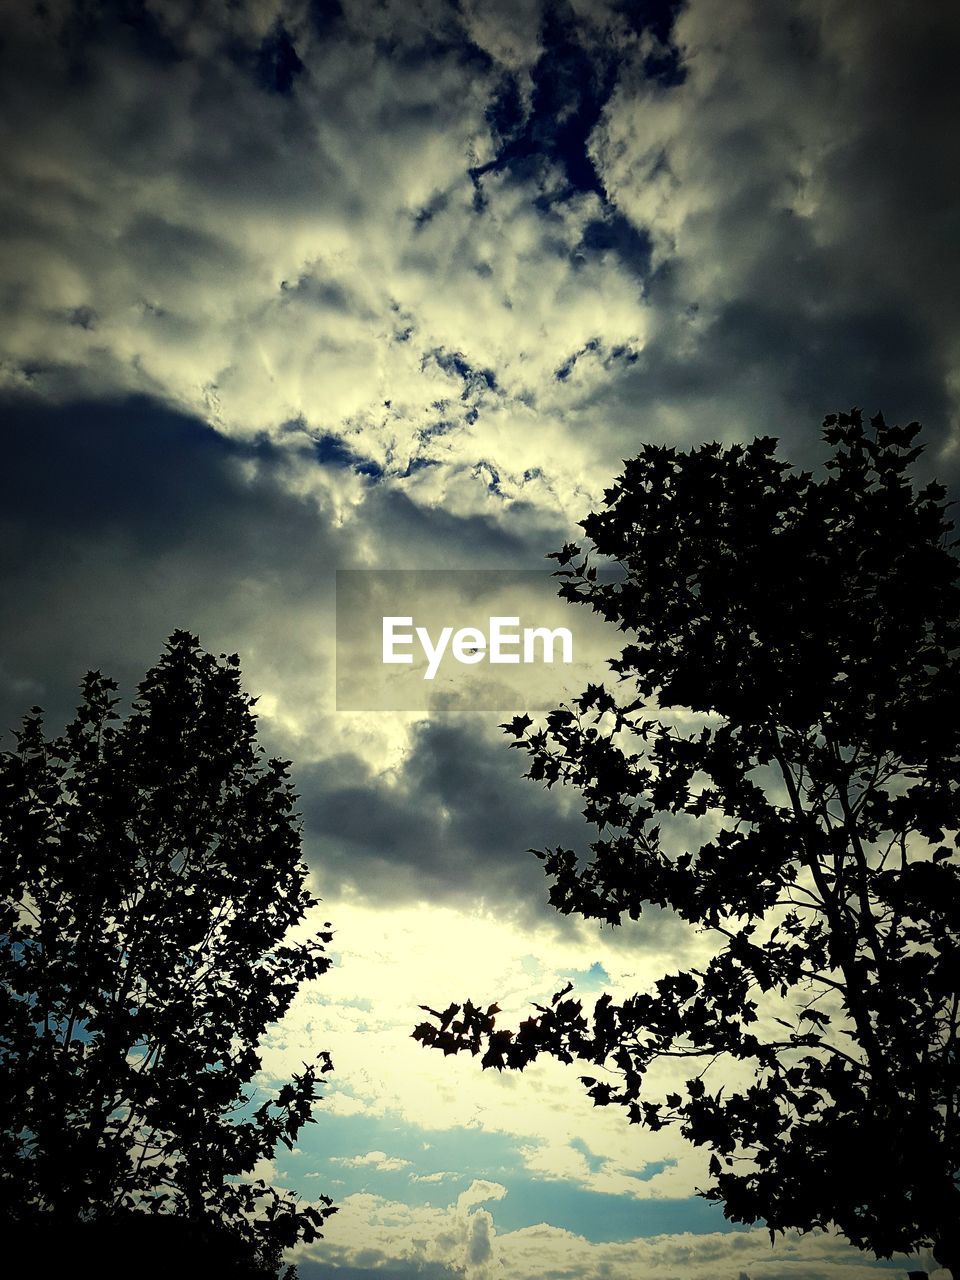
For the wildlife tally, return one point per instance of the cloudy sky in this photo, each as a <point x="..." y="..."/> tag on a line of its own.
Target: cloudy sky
<point x="292" y="286"/>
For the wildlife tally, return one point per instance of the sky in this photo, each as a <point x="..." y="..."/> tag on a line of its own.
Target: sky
<point x="293" y="286"/>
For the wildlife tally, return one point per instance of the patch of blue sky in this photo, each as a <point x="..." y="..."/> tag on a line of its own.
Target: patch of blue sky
<point x="587" y="981"/>
<point x="600" y="1218"/>
<point x="438" y="1165"/>
<point x="595" y="1163"/>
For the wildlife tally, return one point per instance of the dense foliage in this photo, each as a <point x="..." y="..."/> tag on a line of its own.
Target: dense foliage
<point x="150" y="874"/>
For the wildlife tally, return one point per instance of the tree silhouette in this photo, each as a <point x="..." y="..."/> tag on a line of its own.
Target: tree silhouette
<point x="778" y="763"/>
<point x="151" y="873"/>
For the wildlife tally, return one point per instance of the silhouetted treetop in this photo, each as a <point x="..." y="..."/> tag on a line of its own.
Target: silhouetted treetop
<point x="777" y="760"/>
<point x="150" y="876"/>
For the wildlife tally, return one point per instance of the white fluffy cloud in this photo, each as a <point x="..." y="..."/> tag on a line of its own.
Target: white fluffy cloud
<point x="378" y="1160"/>
<point x="459" y="1241"/>
<point x="259" y="260"/>
<point x="463" y="1240"/>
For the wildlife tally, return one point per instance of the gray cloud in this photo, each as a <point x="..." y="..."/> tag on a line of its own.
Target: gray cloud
<point x="798" y="187"/>
<point x="122" y="520"/>
<point x="453" y="823"/>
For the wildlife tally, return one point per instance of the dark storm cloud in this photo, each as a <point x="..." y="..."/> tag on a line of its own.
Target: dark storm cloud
<point x="123" y="520"/>
<point x="802" y="186"/>
<point x="135" y="467"/>
<point x="760" y="368"/>
<point x="453" y="824"/>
